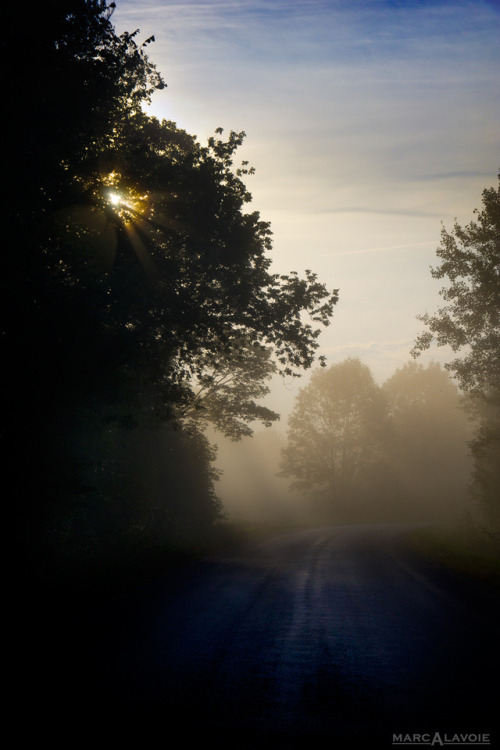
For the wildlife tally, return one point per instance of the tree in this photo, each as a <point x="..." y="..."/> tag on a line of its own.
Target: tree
<point x="428" y="461"/>
<point x="162" y="271"/>
<point x="470" y="322"/>
<point x="470" y="325"/>
<point x="334" y="433"/>
<point x="135" y="271"/>
<point x="485" y="448"/>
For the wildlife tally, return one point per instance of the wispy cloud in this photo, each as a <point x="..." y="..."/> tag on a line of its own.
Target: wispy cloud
<point x="384" y="211"/>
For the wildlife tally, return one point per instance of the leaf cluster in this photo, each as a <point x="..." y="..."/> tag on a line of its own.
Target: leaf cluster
<point x="469" y="322"/>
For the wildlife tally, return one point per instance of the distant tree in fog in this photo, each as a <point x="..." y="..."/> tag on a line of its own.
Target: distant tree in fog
<point x="335" y="433"/>
<point x="367" y="452"/>
<point x="469" y="323"/>
<point x="428" y="455"/>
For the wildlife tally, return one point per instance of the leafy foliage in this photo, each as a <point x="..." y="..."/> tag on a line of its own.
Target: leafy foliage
<point x="70" y="92"/>
<point x="227" y="385"/>
<point x="138" y="287"/>
<point x="470" y="321"/>
<point x="470" y="325"/>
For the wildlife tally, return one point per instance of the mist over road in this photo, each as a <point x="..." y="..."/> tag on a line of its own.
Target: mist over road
<point x="338" y="633"/>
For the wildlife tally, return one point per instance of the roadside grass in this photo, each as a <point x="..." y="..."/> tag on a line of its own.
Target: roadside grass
<point x="465" y="549"/>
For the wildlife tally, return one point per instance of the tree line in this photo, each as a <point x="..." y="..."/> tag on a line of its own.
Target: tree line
<point x="367" y="452"/>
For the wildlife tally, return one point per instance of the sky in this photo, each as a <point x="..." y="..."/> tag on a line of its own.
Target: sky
<point x="370" y="123"/>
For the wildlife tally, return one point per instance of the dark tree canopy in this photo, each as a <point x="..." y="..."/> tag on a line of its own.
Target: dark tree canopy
<point x="136" y="247"/>
<point x="72" y="84"/>
<point x="135" y="272"/>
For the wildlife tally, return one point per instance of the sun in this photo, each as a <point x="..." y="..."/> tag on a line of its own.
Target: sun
<point x="129" y="209"/>
<point x="127" y="204"/>
<point x="114" y="198"/>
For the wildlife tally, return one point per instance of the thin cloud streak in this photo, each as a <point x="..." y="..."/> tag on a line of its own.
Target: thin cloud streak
<point x="388" y="248"/>
<point x="374" y="210"/>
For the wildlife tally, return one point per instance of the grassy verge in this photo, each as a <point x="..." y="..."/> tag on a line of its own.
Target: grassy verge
<point x="469" y="551"/>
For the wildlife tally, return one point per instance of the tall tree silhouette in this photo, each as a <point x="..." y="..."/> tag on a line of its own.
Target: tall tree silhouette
<point x="469" y="323"/>
<point x="133" y="263"/>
